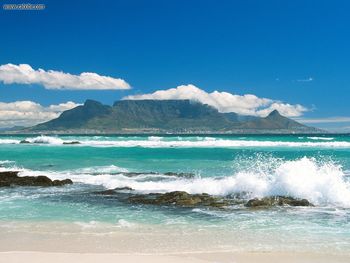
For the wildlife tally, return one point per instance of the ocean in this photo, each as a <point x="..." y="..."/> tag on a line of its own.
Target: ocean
<point x="314" y="167"/>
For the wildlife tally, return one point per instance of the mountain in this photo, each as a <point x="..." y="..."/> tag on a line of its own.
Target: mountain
<point x="77" y="117"/>
<point x="164" y="116"/>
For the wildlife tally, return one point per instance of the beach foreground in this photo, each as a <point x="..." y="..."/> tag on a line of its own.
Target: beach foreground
<point x="43" y="257"/>
<point x="62" y="242"/>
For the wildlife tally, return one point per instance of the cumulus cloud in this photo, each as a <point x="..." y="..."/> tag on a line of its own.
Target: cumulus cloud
<point x="28" y="113"/>
<point x="326" y="120"/>
<point x="284" y="109"/>
<point x="225" y="102"/>
<point x="51" y="79"/>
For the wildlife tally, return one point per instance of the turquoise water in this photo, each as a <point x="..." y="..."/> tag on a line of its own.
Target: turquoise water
<point x="313" y="167"/>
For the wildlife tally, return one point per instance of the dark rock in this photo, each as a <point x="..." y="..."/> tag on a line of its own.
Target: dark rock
<point x="40" y="180"/>
<point x="277" y="201"/>
<point x="134" y="174"/>
<point x="185" y="175"/>
<point x="125" y="188"/>
<point x="11" y="178"/>
<point x="24" y="141"/>
<point x="72" y="142"/>
<point x="61" y="182"/>
<point x="113" y="191"/>
<point x="180" y="198"/>
<point x="106" y="192"/>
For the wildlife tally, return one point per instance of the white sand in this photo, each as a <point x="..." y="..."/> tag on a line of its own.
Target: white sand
<point x="66" y="242"/>
<point x="45" y="257"/>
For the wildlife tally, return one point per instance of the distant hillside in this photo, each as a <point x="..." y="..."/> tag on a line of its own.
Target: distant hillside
<point x="164" y="116"/>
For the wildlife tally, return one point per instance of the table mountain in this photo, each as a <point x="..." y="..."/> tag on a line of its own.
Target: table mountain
<point x="164" y="116"/>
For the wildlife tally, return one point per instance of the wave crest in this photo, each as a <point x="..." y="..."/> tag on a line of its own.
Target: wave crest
<point x="322" y="183"/>
<point x="178" y="142"/>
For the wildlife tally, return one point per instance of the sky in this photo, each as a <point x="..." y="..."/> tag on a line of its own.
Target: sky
<point x="245" y="56"/>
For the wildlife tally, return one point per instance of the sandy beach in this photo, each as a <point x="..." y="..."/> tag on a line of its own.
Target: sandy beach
<point x="63" y="242"/>
<point x="223" y="257"/>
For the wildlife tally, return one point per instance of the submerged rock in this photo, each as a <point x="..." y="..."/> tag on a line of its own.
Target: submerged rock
<point x="106" y="192"/>
<point x="180" y="198"/>
<point x="134" y="174"/>
<point x="72" y="142"/>
<point x="113" y="191"/>
<point x="277" y="201"/>
<point x="11" y="178"/>
<point x="125" y="188"/>
<point x="61" y="182"/>
<point x="185" y="175"/>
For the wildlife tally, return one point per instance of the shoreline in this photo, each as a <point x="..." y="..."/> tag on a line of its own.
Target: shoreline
<point x="203" y="257"/>
<point x="159" y="240"/>
<point x="165" y="134"/>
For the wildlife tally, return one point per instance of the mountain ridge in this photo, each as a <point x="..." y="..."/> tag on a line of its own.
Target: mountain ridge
<point x="164" y="116"/>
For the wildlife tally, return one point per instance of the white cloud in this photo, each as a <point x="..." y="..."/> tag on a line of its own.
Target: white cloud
<point x="225" y="102"/>
<point x="326" y="120"/>
<point x="51" y="79"/>
<point x="284" y="109"/>
<point x="28" y="113"/>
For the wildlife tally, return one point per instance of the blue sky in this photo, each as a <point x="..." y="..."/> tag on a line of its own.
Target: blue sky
<point x="296" y="52"/>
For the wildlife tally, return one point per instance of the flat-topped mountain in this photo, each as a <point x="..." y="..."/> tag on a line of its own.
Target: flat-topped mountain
<point x="164" y="116"/>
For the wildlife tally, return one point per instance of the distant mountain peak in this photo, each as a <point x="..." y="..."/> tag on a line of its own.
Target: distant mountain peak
<point x="89" y="102"/>
<point x="274" y="113"/>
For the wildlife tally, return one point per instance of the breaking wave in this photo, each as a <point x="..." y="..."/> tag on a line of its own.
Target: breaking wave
<point x="168" y="142"/>
<point x="321" y="138"/>
<point x="322" y="183"/>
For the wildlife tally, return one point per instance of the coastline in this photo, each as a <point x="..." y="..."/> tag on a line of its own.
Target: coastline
<point x="163" y="132"/>
<point x="30" y="242"/>
<point x="222" y="257"/>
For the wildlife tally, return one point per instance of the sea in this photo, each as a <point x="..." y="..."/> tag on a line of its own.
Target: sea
<point x="312" y="167"/>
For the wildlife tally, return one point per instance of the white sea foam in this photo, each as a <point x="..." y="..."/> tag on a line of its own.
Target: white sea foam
<point x="321" y="138"/>
<point x="9" y="141"/>
<point x="200" y="142"/>
<point x="5" y="162"/>
<point x="45" y="140"/>
<point x="125" y="224"/>
<point x="109" y="169"/>
<point x="212" y="143"/>
<point x="320" y="182"/>
<point x="155" y="138"/>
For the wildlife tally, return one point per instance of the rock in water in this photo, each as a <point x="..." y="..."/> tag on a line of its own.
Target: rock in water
<point x="72" y="142"/>
<point x="277" y="201"/>
<point x="61" y="182"/>
<point x="185" y="175"/>
<point x="11" y="178"/>
<point x="113" y="191"/>
<point x="180" y="198"/>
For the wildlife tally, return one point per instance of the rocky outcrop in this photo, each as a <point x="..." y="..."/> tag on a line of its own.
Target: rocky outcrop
<point x="184" y="175"/>
<point x="114" y="191"/>
<point x="11" y="178"/>
<point x="277" y="201"/>
<point x="180" y="198"/>
<point x="72" y="142"/>
<point x="184" y="199"/>
<point x="134" y="174"/>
